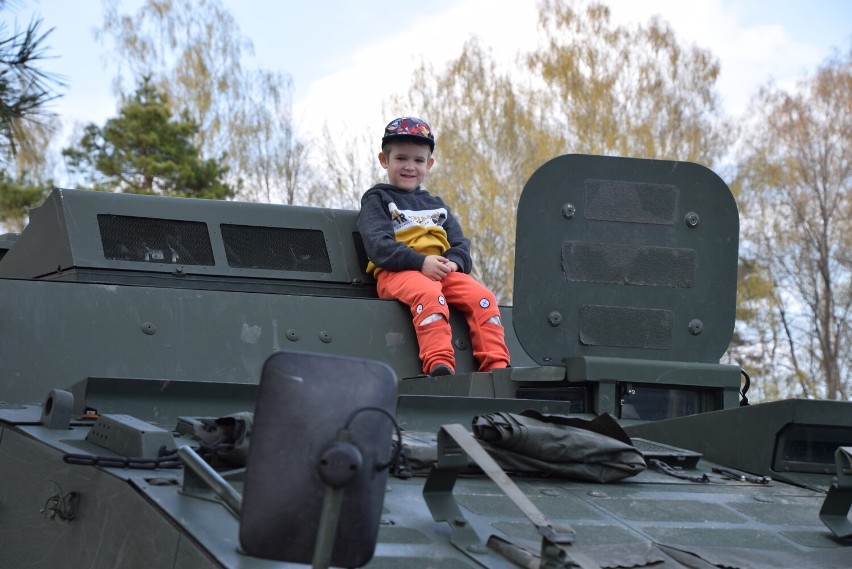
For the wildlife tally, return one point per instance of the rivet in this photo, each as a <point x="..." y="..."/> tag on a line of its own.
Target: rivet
<point x="695" y="327"/>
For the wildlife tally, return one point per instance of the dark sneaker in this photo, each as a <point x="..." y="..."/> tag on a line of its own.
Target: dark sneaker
<point x="441" y="369"/>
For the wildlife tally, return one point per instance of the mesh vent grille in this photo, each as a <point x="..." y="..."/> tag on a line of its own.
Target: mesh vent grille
<point x="275" y="248"/>
<point x="148" y="240"/>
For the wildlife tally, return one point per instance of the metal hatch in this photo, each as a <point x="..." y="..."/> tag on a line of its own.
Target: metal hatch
<point x="625" y="258"/>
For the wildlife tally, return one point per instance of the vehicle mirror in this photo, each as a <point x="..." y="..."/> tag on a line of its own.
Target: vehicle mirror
<point x="320" y="422"/>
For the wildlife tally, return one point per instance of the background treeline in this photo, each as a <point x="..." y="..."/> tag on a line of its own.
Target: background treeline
<point x="194" y="121"/>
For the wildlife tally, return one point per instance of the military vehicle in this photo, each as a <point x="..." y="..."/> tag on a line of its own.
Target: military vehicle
<point x="195" y="383"/>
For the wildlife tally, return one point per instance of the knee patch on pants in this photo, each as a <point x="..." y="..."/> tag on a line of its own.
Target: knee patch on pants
<point x="427" y="312"/>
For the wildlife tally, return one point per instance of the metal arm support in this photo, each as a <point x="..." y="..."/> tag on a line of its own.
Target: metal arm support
<point x="200" y="475"/>
<point x="455" y="445"/>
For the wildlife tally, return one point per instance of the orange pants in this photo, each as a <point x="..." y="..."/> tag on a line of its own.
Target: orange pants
<point x="426" y="298"/>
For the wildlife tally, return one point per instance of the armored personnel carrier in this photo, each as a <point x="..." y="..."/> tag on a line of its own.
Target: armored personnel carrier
<point x="190" y="383"/>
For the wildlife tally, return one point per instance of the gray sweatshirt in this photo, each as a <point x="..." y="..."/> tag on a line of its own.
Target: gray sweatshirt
<point x="400" y="228"/>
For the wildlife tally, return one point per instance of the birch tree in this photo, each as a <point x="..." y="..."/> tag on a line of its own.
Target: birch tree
<point x="797" y="194"/>
<point x="593" y="88"/>
<point x="194" y="52"/>
<point x="487" y="145"/>
<point x="626" y="91"/>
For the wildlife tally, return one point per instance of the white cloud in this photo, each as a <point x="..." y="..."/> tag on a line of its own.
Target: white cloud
<point x="751" y="50"/>
<point x="354" y="97"/>
<point x="753" y="39"/>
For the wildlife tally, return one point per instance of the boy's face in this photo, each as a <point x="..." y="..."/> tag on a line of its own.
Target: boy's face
<point x="407" y="164"/>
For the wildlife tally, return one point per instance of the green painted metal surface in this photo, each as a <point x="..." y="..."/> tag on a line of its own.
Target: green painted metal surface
<point x="632" y="258"/>
<point x="160" y="312"/>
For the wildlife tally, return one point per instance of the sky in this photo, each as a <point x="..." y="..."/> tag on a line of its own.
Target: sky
<point x="346" y="57"/>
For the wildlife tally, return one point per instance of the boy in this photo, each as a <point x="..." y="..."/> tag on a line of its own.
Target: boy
<point x="419" y="255"/>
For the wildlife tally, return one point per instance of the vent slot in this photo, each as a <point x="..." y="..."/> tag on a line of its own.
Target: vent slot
<point x="576" y="396"/>
<point x="275" y="248"/>
<point x="147" y="240"/>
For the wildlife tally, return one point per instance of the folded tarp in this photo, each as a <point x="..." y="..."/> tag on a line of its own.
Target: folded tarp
<point x="555" y="445"/>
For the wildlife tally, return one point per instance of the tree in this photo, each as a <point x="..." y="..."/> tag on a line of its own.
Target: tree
<point x="797" y="195"/>
<point x="756" y="340"/>
<point x="193" y="51"/>
<point x="347" y="172"/>
<point x="621" y="91"/>
<point x="487" y="145"/>
<point x="17" y="197"/>
<point x="144" y="150"/>
<point x="592" y="88"/>
<point x="26" y="125"/>
<point x="25" y="90"/>
<point x="274" y="168"/>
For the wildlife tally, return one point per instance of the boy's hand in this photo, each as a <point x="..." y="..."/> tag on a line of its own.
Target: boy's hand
<point x="436" y="267"/>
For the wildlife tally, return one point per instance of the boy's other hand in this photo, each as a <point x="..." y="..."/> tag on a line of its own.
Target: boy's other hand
<point x="436" y="267"/>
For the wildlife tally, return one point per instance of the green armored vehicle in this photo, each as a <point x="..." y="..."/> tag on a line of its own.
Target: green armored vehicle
<point x="190" y="383"/>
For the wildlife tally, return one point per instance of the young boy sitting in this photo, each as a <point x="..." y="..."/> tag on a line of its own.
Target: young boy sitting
<point x="420" y="256"/>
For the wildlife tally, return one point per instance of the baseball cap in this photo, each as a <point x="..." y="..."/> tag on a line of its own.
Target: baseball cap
<point x="409" y="127"/>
